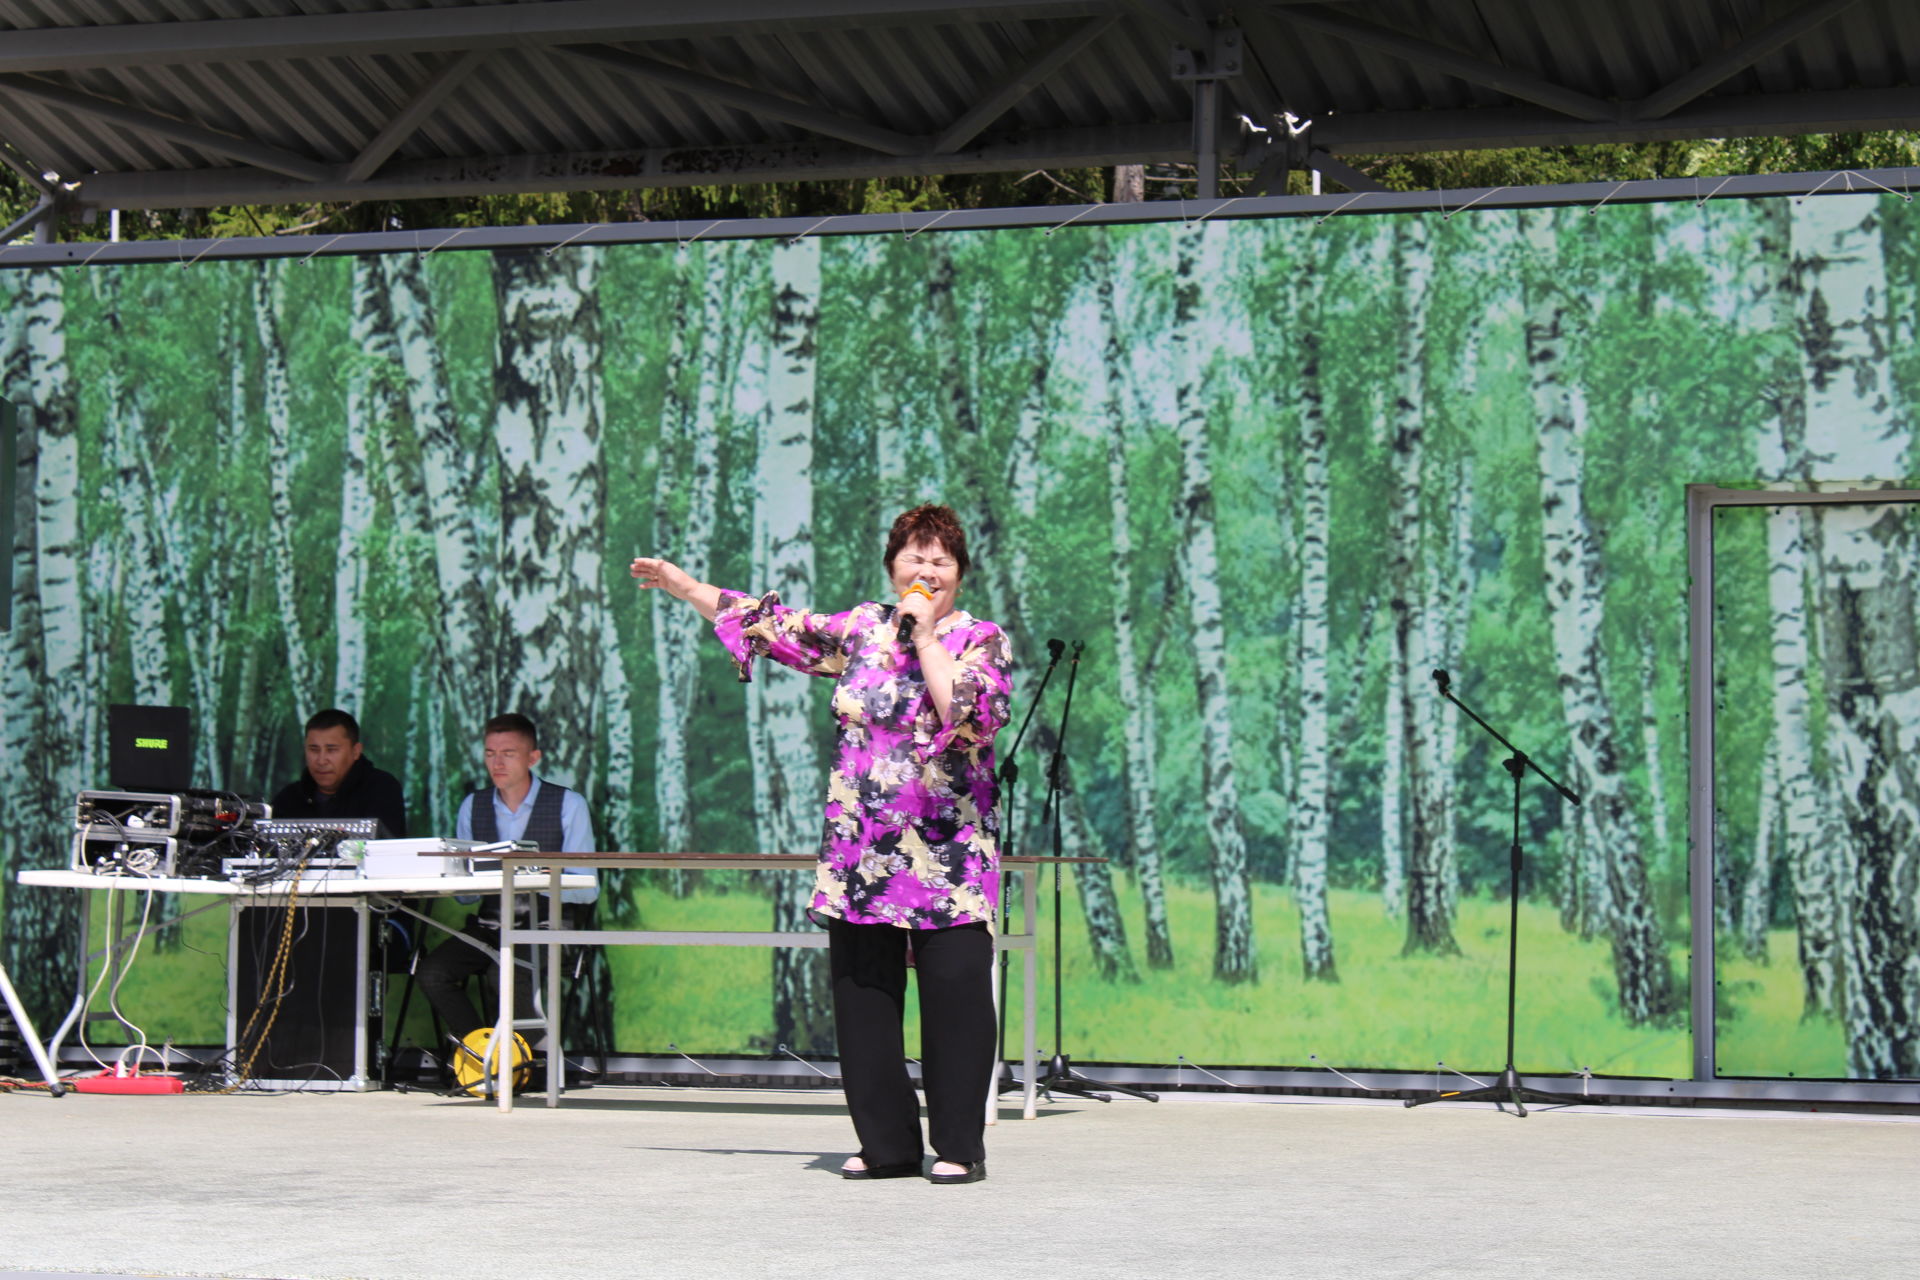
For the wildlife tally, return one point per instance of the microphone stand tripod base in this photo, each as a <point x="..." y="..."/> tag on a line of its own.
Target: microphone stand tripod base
<point x="1508" y="1088"/>
<point x="1005" y="1081"/>
<point x="1060" y="1077"/>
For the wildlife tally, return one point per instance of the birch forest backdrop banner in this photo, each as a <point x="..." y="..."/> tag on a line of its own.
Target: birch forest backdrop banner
<point x="1271" y="473"/>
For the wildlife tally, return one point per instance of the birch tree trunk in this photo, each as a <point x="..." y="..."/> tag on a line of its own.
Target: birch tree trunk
<point x="1138" y="727"/>
<point x="1100" y="907"/>
<point x="1393" y="786"/>
<point x="1791" y="576"/>
<point x="1571" y="548"/>
<point x="617" y="758"/>
<point x="1666" y="854"/>
<point x="691" y="423"/>
<point x="1756" y="892"/>
<point x="459" y="489"/>
<point x="1451" y="574"/>
<point x="146" y="608"/>
<point x="892" y="408"/>
<point x="369" y="411"/>
<point x="58" y="541"/>
<point x="211" y="585"/>
<point x="1431" y="876"/>
<point x="279" y="408"/>
<point x="1106" y="927"/>
<point x="1311" y="818"/>
<point x="1454" y="594"/>
<point x="1873" y="732"/>
<point x="1869" y="641"/>
<point x="144" y="522"/>
<point x="958" y="411"/>
<point x="47" y="638"/>
<point x="25" y="845"/>
<point x="789" y="821"/>
<point x="236" y="323"/>
<point x="245" y="771"/>
<point x="1234" y="959"/>
<point x="551" y="596"/>
<point x="1578" y="909"/>
<point x="553" y="491"/>
<point x="1394" y="731"/>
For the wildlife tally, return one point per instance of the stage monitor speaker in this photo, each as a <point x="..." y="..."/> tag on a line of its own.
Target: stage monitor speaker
<point x="311" y="1039"/>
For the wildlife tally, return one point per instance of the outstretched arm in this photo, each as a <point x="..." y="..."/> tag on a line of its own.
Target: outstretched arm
<point x="678" y="583"/>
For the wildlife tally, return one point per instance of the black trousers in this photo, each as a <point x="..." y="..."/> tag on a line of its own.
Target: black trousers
<point x="954" y="968"/>
<point x="443" y="974"/>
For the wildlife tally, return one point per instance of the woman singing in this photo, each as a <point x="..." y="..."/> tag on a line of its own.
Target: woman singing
<point x="909" y="860"/>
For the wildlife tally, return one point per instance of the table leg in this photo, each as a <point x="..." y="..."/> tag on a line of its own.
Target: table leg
<point x="79" y="1009"/>
<point x="27" y="1033"/>
<point x="555" y="1063"/>
<point x="1029" y="895"/>
<point x="116" y="948"/>
<point x="363" y="944"/>
<point x="233" y="990"/>
<point x="502" y="1050"/>
<point x="993" y="1081"/>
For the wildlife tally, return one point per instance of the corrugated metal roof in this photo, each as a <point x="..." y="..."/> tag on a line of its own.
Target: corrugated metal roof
<point x="194" y="102"/>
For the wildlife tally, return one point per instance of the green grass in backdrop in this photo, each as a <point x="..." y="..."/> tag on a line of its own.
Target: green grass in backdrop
<point x="1761" y="1032"/>
<point x="714" y="1000"/>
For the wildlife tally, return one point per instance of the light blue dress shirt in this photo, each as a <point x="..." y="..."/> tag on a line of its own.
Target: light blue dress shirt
<point x="576" y="829"/>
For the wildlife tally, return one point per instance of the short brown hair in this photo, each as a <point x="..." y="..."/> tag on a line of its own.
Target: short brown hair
<point x="512" y="722"/>
<point x="930" y="523"/>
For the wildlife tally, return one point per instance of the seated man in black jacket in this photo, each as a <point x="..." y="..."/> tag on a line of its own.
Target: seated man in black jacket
<point x="339" y="780"/>
<point x="315" y="1029"/>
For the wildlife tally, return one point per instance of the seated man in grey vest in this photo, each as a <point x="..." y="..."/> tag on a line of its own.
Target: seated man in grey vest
<point x="518" y="805"/>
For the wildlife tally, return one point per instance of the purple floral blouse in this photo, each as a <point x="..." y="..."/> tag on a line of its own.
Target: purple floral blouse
<point x="912" y="826"/>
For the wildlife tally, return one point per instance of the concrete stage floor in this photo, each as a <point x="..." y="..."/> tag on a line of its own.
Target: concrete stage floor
<point x="696" y="1184"/>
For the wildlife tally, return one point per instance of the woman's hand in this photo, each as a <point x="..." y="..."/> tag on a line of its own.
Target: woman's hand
<point x="651" y="571"/>
<point x="668" y="576"/>
<point x="936" y="664"/>
<point x="919" y="607"/>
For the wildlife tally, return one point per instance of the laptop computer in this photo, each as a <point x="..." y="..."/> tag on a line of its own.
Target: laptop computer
<point x="149" y="748"/>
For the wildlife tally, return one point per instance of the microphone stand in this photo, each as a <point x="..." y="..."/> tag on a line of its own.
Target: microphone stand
<point x="1509" y="1087"/>
<point x="1060" y="1077"/>
<point x="1009" y="776"/>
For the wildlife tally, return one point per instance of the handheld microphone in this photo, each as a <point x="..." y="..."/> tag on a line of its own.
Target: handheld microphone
<point x="904" y="632"/>
<point x="1442" y="679"/>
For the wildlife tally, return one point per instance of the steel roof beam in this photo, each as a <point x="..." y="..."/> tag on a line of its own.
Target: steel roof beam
<point x="1737" y="58"/>
<point x="1844" y="111"/>
<point x="33" y="175"/>
<point x="628" y="170"/>
<point x="1173" y="18"/>
<point x="1517" y="84"/>
<point x="1340" y="171"/>
<point x="1256" y="90"/>
<point x="752" y="101"/>
<point x="410" y="117"/>
<point x="1019" y="85"/>
<point x="1856" y="110"/>
<point x="184" y="132"/>
<point x="30" y="218"/>
<point x="334" y="35"/>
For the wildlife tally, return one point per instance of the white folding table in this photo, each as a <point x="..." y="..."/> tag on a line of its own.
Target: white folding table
<point x="359" y="894"/>
<point x="553" y="937"/>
